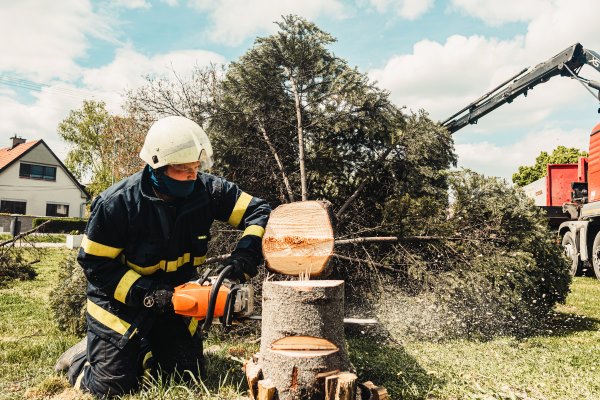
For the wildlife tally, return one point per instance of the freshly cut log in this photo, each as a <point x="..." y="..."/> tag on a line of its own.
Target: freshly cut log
<point x="377" y="392"/>
<point x="253" y="375"/>
<point x="346" y="389"/>
<point x="298" y="239"/>
<point x="266" y="390"/>
<point x="302" y="336"/>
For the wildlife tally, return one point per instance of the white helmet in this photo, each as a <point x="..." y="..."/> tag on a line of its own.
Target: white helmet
<point x="176" y="140"/>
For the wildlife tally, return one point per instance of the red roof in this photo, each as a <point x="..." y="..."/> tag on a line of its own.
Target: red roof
<point x="8" y="155"/>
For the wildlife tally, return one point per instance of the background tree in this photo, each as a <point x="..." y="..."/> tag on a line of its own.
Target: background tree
<point x="103" y="147"/>
<point x="561" y="155"/>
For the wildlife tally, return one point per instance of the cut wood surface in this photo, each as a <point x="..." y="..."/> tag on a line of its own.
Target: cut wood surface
<point x="299" y="239"/>
<point x="307" y="343"/>
<point x="377" y="392"/>
<point x="331" y="384"/>
<point x="266" y="390"/>
<point x="346" y="386"/>
<point x="253" y="375"/>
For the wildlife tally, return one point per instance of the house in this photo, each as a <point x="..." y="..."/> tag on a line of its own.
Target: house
<point x="34" y="181"/>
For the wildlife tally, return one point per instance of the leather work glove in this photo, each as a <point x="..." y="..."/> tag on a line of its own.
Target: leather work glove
<point x="160" y="300"/>
<point x="245" y="265"/>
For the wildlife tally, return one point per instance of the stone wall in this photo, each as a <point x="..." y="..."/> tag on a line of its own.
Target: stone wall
<point x="26" y="222"/>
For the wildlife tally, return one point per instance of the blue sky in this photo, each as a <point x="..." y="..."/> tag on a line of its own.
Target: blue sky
<point x="430" y="54"/>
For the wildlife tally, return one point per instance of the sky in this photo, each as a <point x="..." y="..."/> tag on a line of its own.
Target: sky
<point x="429" y="54"/>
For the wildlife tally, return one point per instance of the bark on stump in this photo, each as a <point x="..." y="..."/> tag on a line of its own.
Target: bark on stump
<point x="302" y="336"/>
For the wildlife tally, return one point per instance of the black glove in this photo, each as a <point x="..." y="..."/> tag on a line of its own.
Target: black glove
<point x="160" y="300"/>
<point x="245" y="265"/>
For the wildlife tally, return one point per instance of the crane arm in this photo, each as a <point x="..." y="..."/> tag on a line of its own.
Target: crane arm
<point x="565" y="63"/>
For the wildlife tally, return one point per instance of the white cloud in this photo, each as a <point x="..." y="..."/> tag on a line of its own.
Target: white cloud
<point x="495" y="12"/>
<point x="503" y="161"/>
<point x="40" y="118"/>
<point x="128" y="69"/>
<point x="132" y="4"/>
<point x="443" y="77"/>
<point x="233" y="21"/>
<point x="408" y="9"/>
<point x="42" y="40"/>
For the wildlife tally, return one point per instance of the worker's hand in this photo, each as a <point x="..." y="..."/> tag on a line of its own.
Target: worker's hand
<point x="160" y="300"/>
<point x="245" y="265"/>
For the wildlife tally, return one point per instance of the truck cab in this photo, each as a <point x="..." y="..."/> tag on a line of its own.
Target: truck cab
<point x="580" y="236"/>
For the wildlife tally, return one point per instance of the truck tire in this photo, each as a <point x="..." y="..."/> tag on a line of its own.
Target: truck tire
<point x="570" y="248"/>
<point x="596" y="255"/>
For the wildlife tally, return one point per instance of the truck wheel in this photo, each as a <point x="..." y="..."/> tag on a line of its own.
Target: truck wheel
<point x="596" y="255"/>
<point x="570" y="248"/>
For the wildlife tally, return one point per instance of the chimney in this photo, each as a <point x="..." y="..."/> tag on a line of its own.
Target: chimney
<point x="16" y="141"/>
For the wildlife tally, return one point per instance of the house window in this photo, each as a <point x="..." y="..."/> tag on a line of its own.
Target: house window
<point x="57" y="210"/>
<point x="36" y="171"/>
<point x="13" y="207"/>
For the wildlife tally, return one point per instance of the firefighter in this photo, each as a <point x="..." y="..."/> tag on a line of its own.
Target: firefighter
<point x="146" y="235"/>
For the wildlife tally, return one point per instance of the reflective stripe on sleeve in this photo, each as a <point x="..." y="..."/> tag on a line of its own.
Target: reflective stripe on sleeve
<point x="193" y="326"/>
<point x="107" y="319"/>
<point x="199" y="261"/>
<point x="255" y="230"/>
<point x="125" y="284"/>
<point x="240" y="208"/>
<point x="99" y="249"/>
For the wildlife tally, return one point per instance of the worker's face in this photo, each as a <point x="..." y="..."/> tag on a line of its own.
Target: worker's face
<point x="183" y="172"/>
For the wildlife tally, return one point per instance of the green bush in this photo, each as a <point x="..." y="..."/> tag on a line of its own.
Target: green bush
<point x="495" y="270"/>
<point x="67" y="299"/>
<point x="60" y="225"/>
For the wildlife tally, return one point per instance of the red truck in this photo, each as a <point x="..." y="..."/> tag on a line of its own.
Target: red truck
<point x="555" y="189"/>
<point x="571" y="192"/>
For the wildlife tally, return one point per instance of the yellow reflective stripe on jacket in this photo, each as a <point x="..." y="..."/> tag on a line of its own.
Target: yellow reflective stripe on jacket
<point x="199" y="261"/>
<point x="147" y="357"/>
<point x="106" y="318"/>
<point x="167" y="266"/>
<point x="193" y="326"/>
<point x="99" y="249"/>
<point x="240" y="208"/>
<point x="255" y="230"/>
<point x="125" y="284"/>
<point x="173" y="265"/>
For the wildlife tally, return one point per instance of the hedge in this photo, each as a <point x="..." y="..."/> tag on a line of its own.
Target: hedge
<point x="60" y="225"/>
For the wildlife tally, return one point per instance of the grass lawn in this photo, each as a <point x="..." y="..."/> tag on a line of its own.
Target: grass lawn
<point x="562" y="363"/>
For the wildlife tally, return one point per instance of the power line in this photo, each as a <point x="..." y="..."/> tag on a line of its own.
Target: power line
<point x="39" y="87"/>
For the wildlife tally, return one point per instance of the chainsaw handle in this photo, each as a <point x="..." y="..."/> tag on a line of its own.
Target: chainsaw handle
<point x="212" y="300"/>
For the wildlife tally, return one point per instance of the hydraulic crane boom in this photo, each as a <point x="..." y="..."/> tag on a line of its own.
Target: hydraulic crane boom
<point x="565" y="63"/>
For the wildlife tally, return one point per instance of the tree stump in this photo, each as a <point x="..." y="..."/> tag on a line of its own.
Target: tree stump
<point x="302" y="336"/>
<point x="299" y="239"/>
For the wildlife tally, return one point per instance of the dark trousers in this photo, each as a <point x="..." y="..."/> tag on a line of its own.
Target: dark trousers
<point x="165" y="348"/>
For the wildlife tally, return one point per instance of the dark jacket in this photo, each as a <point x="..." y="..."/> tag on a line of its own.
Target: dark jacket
<point x="135" y="241"/>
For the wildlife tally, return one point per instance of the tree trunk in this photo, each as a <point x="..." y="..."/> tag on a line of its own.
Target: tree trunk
<point x="302" y="336"/>
<point x="299" y="239"/>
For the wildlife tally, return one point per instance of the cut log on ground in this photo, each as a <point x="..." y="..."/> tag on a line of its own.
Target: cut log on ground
<point x="377" y="392"/>
<point x="253" y="375"/>
<point x="299" y="239"/>
<point x="302" y="336"/>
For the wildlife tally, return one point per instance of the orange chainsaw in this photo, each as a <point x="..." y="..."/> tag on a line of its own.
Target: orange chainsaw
<point x="214" y="297"/>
